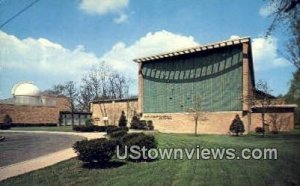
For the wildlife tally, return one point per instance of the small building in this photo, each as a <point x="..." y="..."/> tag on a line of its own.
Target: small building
<point x="28" y="106"/>
<point x="109" y="111"/>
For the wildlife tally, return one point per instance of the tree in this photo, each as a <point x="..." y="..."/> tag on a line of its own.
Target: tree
<point x="286" y="13"/>
<point x="101" y="83"/>
<point x="71" y="93"/>
<point x="196" y="111"/>
<point x="122" y="120"/>
<point x="237" y="126"/>
<point x="293" y="94"/>
<point x="263" y="100"/>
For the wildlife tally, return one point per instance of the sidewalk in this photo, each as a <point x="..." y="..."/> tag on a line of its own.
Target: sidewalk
<point x="43" y="161"/>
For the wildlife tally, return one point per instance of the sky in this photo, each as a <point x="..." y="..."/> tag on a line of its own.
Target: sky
<point x="55" y="41"/>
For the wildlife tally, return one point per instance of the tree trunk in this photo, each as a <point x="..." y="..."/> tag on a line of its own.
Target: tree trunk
<point x="196" y="127"/>
<point x="263" y="123"/>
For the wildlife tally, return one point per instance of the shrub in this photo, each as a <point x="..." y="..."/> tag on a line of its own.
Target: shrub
<point x="259" y="130"/>
<point x="95" y="151"/>
<point x="88" y="122"/>
<point x="138" y="139"/>
<point x="122" y="120"/>
<point x="138" y="124"/>
<point x="237" y="126"/>
<point x="83" y="128"/>
<point x="7" y="121"/>
<point x="99" y="128"/>
<point x="115" y="129"/>
<point x="118" y="134"/>
<point x="150" y="125"/>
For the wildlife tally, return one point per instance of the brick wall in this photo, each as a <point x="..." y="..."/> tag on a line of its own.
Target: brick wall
<point x="210" y="122"/>
<point x="25" y="114"/>
<point x="276" y="121"/>
<point x="113" y="111"/>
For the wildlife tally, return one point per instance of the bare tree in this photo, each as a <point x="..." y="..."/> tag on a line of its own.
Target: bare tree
<point x="196" y="111"/>
<point x="71" y="93"/>
<point x="102" y="83"/>
<point x="286" y="13"/>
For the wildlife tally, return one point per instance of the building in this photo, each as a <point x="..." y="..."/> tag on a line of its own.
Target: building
<point x="28" y="106"/>
<point x="215" y="79"/>
<point x="109" y="111"/>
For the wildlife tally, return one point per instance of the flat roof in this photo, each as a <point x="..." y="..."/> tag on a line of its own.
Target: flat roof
<point x="194" y="49"/>
<point x="277" y="106"/>
<point x="115" y="100"/>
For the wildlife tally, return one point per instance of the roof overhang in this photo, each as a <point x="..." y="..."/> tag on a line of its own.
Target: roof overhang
<point x="197" y="49"/>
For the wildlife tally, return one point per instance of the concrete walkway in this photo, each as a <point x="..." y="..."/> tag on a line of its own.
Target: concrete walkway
<point x="43" y="161"/>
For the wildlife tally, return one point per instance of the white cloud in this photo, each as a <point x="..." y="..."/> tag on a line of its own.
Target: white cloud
<point x="268" y="9"/>
<point x="234" y="37"/>
<point x="120" y="57"/>
<point x="43" y="56"/>
<point x="121" y="19"/>
<point x="102" y="7"/>
<point x="265" y="54"/>
<point x="50" y="63"/>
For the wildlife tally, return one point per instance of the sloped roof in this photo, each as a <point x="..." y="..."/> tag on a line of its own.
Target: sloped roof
<point x="194" y="49"/>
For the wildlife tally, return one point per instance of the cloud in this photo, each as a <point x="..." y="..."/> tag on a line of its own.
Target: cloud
<point x="50" y="63"/>
<point x="120" y="57"/>
<point x="265" y="54"/>
<point x="121" y="19"/>
<point x="102" y="7"/>
<point x="234" y="37"/>
<point x="43" y="56"/>
<point x="268" y="9"/>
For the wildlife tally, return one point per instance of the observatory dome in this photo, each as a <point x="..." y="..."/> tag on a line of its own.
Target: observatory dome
<point x="25" y="89"/>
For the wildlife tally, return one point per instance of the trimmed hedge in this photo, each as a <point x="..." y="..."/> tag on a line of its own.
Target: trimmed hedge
<point x="115" y="129"/>
<point x="83" y="128"/>
<point x="95" y="151"/>
<point x="138" y="139"/>
<point x="138" y="124"/>
<point x="93" y="128"/>
<point x="118" y="134"/>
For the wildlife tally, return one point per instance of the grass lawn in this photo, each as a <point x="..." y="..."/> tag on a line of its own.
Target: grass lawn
<point x="284" y="171"/>
<point x="57" y="129"/>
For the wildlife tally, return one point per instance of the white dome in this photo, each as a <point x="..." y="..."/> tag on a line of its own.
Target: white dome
<point x="25" y="89"/>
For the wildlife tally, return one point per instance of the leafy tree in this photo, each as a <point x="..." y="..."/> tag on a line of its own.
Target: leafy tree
<point x="122" y="120"/>
<point x="293" y="95"/>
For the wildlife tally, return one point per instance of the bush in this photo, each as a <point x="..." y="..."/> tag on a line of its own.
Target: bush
<point x="138" y="139"/>
<point x="118" y="134"/>
<point x="150" y="125"/>
<point x="88" y="122"/>
<point x="99" y="128"/>
<point x="122" y="120"/>
<point x="259" y="130"/>
<point x="7" y="121"/>
<point x="115" y="129"/>
<point x="138" y="124"/>
<point x="83" y="128"/>
<point x="95" y="151"/>
<point x="237" y="126"/>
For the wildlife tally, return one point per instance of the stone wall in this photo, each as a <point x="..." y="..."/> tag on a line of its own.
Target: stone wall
<point x="27" y="114"/>
<point x="113" y="111"/>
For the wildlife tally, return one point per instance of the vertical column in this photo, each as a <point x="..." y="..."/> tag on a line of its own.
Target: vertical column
<point x="245" y="77"/>
<point x="141" y="88"/>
